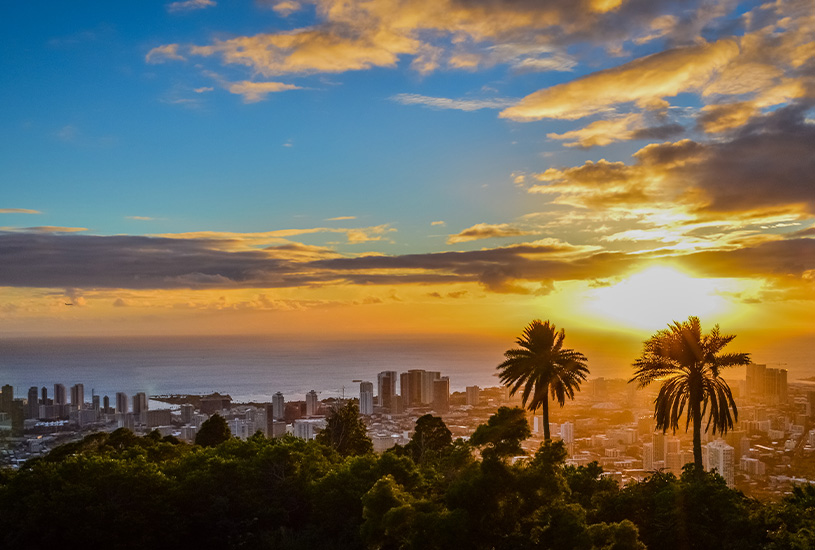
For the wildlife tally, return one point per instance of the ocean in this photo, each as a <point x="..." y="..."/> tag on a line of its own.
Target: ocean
<point x="249" y="368"/>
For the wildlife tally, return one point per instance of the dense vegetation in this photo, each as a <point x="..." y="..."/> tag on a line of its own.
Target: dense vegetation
<point x="119" y="490"/>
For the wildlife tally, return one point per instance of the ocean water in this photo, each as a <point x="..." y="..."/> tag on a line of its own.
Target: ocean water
<point x="249" y="368"/>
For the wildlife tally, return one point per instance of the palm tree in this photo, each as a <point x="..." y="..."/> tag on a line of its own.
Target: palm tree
<point x="688" y="364"/>
<point x="542" y="366"/>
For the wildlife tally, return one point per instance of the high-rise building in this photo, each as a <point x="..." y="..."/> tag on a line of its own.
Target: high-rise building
<point x="404" y="389"/>
<point x="140" y="407"/>
<point x="416" y="383"/>
<point x="428" y="378"/>
<point x="473" y="395"/>
<point x="567" y="432"/>
<point x="121" y="402"/>
<point x="755" y="379"/>
<point x="278" y="406"/>
<point x="720" y="458"/>
<point x="312" y="404"/>
<point x="775" y="385"/>
<point x="6" y="399"/>
<point x="60" y="397"/>
<point x="441" y="394"/>
<point x="106" y="405"/>
<point x="44" y="395"/>
<point x="366" y="398"/>
<point x="96" y="403"/>
<point x="187" y="412"/>
<point x="78" y="396"/>
<point x="659" y="440"/>
<point x="648" y="456"/>
<point x="386" y="387"/>
<point x="33" y="404"/>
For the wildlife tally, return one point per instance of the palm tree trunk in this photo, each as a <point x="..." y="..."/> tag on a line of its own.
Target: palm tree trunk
<point x="546" y="435"/>
<point x="696" y="418"/>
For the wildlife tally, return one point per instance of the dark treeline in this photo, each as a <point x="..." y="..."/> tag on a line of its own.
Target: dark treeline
<point x="122" y="491"/>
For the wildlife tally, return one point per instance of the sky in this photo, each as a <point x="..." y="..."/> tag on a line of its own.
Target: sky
<point x="337" y="168"/>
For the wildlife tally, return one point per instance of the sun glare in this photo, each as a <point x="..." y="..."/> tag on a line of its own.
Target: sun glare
<point x="658" y="295"/>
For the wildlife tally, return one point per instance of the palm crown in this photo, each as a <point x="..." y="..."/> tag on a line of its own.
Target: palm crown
<point x="542" y="366"/>
<point x="689" y="364"/>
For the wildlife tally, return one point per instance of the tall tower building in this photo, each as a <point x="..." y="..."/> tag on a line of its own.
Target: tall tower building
<point x="404" y="389"/>
<point x="312" y="403"/>
<point x="659" y="439"/>
<point x="386" y="387"/>
<point x="44" y="394"/>
<point x="60" y="397"/>
<point x="6" y="398"/>
<point x="648" y="456"/>
<point x="140" y="407"/>
<point x="755" y="379"/>
<point x="720" y="458"/>
<point x="441" y="394"/>
<point x="121" y="402"/>
<point x="187" y="412"/>
<point x="106" y="405"/>
<point x="78" y="396"/>
<point x="415" y="396"/>
<point x="473" y="395"/>
<point x="278" y="406"/>
<point x="366" y="398"/>
<point x="428" y="378"/>
<point x="33" y="404"/>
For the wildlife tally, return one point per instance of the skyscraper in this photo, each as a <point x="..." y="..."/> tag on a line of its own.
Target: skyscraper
<point x="441" y="394"/>
<point x="278" y="406"/>
<point x="720" y="458"/>
<point x="33" y="405"/>
<point x="121" y="402"/>
<point x="187" y="412"/>
<point x="106" y="405"/>
<point x="366" y="398"/>
<point x="386" y="387"/>
<point x="428" y="378"/>
<point x="6" y="398"/>
<point x="473" y="395"/>
<point x="60" y="397"/>
<point x="312" y="403"/>
<point x="78" y="396"/>
<point x="140" y="407"/>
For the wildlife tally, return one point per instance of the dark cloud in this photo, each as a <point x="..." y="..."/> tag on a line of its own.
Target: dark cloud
<point x="770" y="162"/>
<point x="664" y="131"/>
<point x="129" y="262"/>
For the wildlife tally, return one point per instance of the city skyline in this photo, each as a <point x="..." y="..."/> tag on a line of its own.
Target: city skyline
<point x="378" y="168"/>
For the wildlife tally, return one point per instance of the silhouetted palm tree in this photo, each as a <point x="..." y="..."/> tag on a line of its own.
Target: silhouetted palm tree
<point x="542" y="366"/>
<point x="688" y="364"/>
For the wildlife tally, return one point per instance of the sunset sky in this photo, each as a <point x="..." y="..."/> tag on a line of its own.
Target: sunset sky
<point x="350" y="167"/>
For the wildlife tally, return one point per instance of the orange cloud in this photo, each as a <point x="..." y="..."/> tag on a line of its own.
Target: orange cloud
<point x="488" y="231"/>
<point x="663" y="74"/>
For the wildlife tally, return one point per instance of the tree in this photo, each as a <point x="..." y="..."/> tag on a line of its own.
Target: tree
<point x="214" y="431"/>
<point x="503" y="433"/>
<point x="688" y="364"/>
<point x="345" y="431"/>
<point x="431" y="436"/>
<point x="542" y="366"/>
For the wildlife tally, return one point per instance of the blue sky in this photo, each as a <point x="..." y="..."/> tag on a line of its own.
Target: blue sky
<point x="334" y="156"/>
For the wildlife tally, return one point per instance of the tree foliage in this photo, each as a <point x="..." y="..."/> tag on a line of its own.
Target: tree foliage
<point x="213" y="431"/>
<point x="431" y="437"/>
<point x="345" y="432"/>
<point x="542" y="366"/>
<point x="503" y="433"/>
<point x="119" y="490"/>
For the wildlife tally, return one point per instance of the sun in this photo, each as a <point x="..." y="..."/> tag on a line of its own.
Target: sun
<point x="656" y="296"/>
